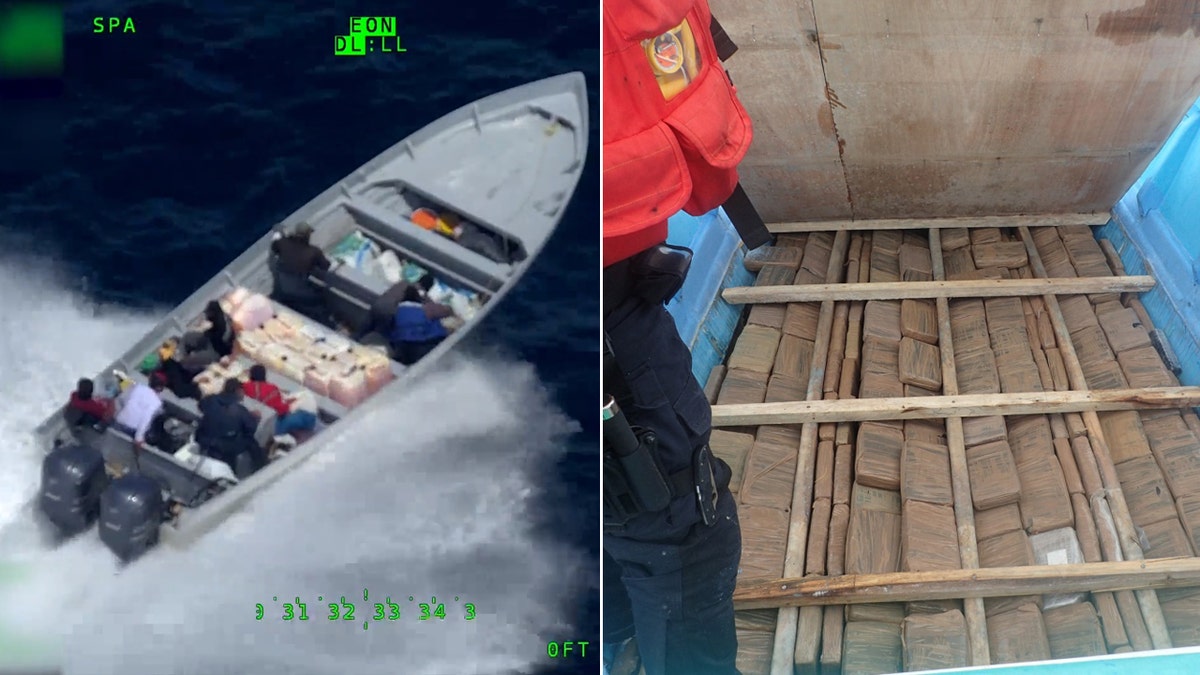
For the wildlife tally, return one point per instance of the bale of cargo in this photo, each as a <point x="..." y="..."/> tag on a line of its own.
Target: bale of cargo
<point x="1011" y="549"/>
<point x="878" y="455"/>
<point x="755" y="349"/>
<point x="1018" y="635"/>
<point x="733" y="448"/>
<point x="918" y="320"/>
<point x="762" y="548"/>
<point x="881" y="320"/>
<point x="920" y="364"/>
<point x="1145" y="491"/>
<point x="993" y="475"/>
<point x="980" y="430"/>
<point x="742" y="386"/>
<point x="1124" y="330"/>
<point x="928" y="538"/>
<point x="1167" y="539"/>
<point x="925" y="472"/>
<point x="935" y="641"/>
<point x="1057" y="547"/>
<point x="871" y="648"/>
<point x="771" y="467"/>
<point x="1180" y="616"/>
<point x="1073" y="631"/>
<point x="885" y="612"/>
<point x="1029" y="435"/>
<point x="1143" y="367"/>
<point x="794" y="357"/>
<point x="873" y="535"/>
<point x="976" y="370"/>
<point x="1045" y="502"/>
<point x="997" y="521"/>
<point x="754" y="649"/>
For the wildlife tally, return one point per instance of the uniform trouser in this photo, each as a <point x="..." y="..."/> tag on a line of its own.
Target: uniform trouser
<point x="671" y="584"/>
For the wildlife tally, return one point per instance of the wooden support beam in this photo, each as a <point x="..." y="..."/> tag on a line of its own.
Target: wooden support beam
<point x="1046" y="220"/>
<point x="962" y="405"/>
<point x="786" y="623"/>
<point x="1129" y="541"/>
<point x="963" y="288"/>
<point x="988" y="582"/>
<point x="964" y="510"/>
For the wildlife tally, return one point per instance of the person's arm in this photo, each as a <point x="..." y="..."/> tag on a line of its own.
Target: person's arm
<point x="436" y="310"/>
<point x="139" y="436"/>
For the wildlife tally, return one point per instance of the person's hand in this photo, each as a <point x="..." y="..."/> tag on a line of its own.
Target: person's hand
<point x="257" y="413"/>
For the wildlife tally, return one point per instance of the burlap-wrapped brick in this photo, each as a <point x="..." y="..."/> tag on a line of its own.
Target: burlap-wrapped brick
<point x="755" y="348"/>
<point x="980" y="430"/>
<point x="823" y="473"/>
<point x="1143" y="367"/>
<point x="800" y="319"/>
<point x="873" y="537"/>
<point x="918" y="320"/>
<point x="928" y="538"/>
<point x="754" y="650"/>
<point x="976" y="371"/>
<point x="767" y="314"/>
<point x="968" y="324"/>
<point x="762" y="547"/>
<point x="993" y="475"/>
<point x="883" y="612"/>
<point x="1073" y="631"/>
<point x="785" y="388"/>
<point x="880" y="385"/>
<point x="1029" y="435"/>
<point x="1145" y="491"/>
<point x="1001" y="254"/>
<point x="985" y="235"/>
<point x="1077" y="313"/>
<point x="878" y="455"/>
<point x="1177" y="450"/>
<point x="1124" y="434"/>
<point x="935" y="641"/>
<point x="1124" y="330"/>
<point x="1189" y="515"/>
<point x="933" y="431"/>
<point x="794" y="357"/>
<point x="1180" y="616"/>
<point x="816" y="253"/>
<point x="959" y="264"/>
<point x="1018" y="635"/>
<point x="880" y="356"/>
<point x="1045" y="502"/>
<point x="954" y="238"/>
<point x="925" y="472"/>
<point x="788" y="256"/>
<point x="885" y="266"/>
<point x="843" y="471"/>
<point x="1167" y="539"/>
<point x="920" y="364"/>
<point x="1011" y="549"/>
<point x="881" y="320"/>
<point x="997" y="521"/>
<point x="871" y="648"/>
<point x="775" y="275"/>
<point x="743" y="386"/>
<point x="733" y="448"/>
<point x="771" y="467"/>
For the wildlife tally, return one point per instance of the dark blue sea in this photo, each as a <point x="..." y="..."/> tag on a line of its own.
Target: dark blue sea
<point x="183" y="142"/>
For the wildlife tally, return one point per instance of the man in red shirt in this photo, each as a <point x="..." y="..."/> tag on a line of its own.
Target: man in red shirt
<point x="286" y="420"/>
<point x="85" y="408"/>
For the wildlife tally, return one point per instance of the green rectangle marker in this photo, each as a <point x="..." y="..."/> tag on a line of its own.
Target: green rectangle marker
<point x="349" y="45"/>
<point x="31" y="40"/>
<point x="373" y="26"/>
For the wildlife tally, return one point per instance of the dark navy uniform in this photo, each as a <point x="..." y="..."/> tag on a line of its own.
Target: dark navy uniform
<point x="667" y="575"/>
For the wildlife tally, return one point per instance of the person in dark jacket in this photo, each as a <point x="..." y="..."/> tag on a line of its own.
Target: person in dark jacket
<point x="86" y="408"/>
<point x="293" y="259"/>
<point x="417" y="326"/>
<point x="220" y="329"/>
<point x="197" y="354"/>
<point x="227" y="427"/>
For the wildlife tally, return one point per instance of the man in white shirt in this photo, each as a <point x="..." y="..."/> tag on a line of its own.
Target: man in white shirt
<point x="140" y="404"/>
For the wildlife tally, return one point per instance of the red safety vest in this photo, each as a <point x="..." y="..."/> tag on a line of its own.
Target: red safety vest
<point x="674" y="130"/>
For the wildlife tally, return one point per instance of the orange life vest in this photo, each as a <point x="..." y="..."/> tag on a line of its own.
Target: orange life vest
<point x="674" y="130"/>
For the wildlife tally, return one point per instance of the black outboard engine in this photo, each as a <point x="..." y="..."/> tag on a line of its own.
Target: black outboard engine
<point x="73" y="479"/>
<point x="131" y="511"/>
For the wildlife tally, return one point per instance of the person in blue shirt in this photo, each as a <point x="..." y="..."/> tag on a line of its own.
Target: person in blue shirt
<point x="417" y="326"/>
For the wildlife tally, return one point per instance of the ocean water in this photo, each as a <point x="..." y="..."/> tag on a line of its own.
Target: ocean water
<point x="181" y="144"/>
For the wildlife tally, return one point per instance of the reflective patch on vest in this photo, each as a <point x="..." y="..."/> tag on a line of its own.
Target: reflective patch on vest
<point x="674" y="59"/>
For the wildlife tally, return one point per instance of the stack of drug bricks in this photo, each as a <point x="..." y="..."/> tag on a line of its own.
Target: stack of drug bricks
<point x="944" y="493"/>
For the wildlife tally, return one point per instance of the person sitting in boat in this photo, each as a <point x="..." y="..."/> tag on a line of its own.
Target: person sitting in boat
<point x="287" y="420"/>
<point x="85" y="408"/>
<point x="139" y="412"/>
<point x="293" y="260"/>
<point x="198" y="354"/>
<point x="417" y="326"/>
<point x="172" y="371"/>
<point x="227" y="428"/>
<point x="220" y="329"/>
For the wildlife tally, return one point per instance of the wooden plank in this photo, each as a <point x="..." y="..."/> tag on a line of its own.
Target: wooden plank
<point x="783" y="652"/>
<point x="963" y="405"/>
<point x="1130" y="546"/>
<point x="962" y="288"/>
<point x="964" y="511"/>
<point x="1043" y="220"/>
<point x="987" y="582"/>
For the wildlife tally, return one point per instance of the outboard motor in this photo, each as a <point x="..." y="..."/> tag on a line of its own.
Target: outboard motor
<point x="73" y="479"/>
<point x="131" y="511"/>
